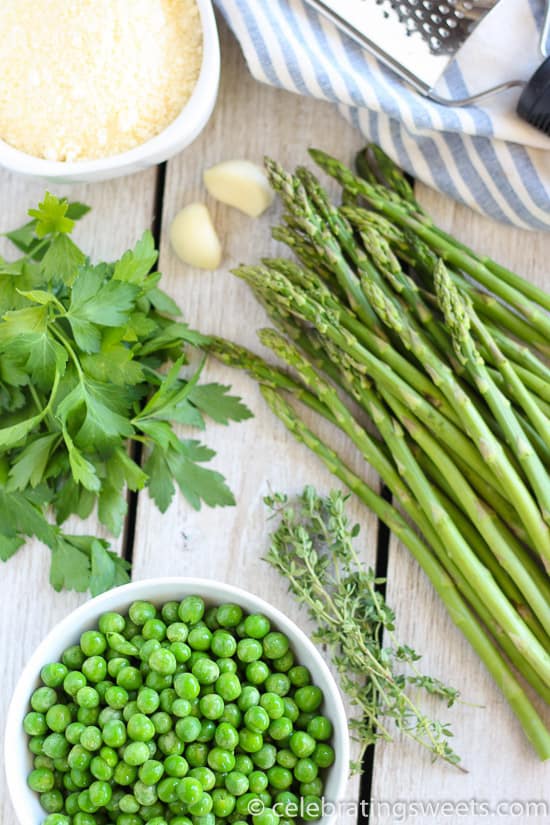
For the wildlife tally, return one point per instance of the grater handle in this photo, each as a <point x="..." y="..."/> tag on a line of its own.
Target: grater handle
<point x="534" y="103"/>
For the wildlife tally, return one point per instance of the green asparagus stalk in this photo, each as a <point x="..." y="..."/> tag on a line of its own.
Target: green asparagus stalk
<point x="458" y="609"/>
<point x="458" y="322"/>
<point x="488" y="445"/>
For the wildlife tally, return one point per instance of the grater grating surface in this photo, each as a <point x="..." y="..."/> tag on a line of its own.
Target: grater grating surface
<point x="444" y="26"/>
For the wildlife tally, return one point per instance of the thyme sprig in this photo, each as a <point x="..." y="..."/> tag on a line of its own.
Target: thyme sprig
<point x="313" y="548"/>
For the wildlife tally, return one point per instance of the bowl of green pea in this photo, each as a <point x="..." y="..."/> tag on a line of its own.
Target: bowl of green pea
<point x="176" y="701"/>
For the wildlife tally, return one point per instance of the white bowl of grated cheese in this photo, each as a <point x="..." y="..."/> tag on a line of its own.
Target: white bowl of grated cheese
<point x="170" y="139"/>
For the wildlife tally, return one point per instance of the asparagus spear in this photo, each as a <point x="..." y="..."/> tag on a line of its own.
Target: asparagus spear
<point x="461" y="615"/>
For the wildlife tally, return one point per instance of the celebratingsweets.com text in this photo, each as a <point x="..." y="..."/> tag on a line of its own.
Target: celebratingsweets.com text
<point x="404" y="810"/>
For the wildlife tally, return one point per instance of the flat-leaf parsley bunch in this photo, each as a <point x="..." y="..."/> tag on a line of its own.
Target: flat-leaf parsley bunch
<point x="83" y="351"/>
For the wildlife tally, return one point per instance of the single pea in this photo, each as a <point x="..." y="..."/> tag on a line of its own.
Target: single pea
<point x="181" y="708"/>
<point x="153" y="813"/>
<point x="281" y="729"/>
<point x="257" y="719"/>
<point x="257" y="673"/>
<point x="162" y="722"/>
<point x="232" y="714"/>
<point x="147" y="700"/>
<point x="309" y="698"/>
<point x="73" y="682"/>
<point x="306" y="770"/>
<point x="302" y="744"/>
<point x="256" y="626"/>
<point x="111" y="623"/>
<point x="151" y="772"/>
<point x="320" y="728"/>
<point x="266" y="757"/>
<point x="303" y="720"/>
<point x="128" y="804"/>
<point x="73" y="657"/>
<point x="199" y="638"/>
<point x="273" y="704"/>
<point x="258" y="781"/>
<point x="125" y="774"/>
<point x="280" y="778"/>
<point x="181" y="651"/>
<point x="52" y="801"/>
<point x="34" y="723"/>
<point x="180" y="820"/>
<point x="41" y="780"/>
<point x="53" y="674"/>
<point x="100" y="769"/>
<point x="71" y="803"/>
<point x="206" y="777"/>
<point x="292" y="711"/>
<point x="208" y="731"/>
<point x="223" y="803"/>
<point x="55" y="746"/>
<point x="206" y="671"/>
<point x="237" y="783"/>
<point x="87" y="697"/>
<point x="114" y="733"/>
<point x="158" y="681"/>
<point x="154" y="629"/>
<point x="129" y="710"/>
<point x="169" y="612"/>
<point x="228" y="686"/>
<point x="324" y="755"/>
<point x="93" y="643"/>
<point x="299" y="676"/>
<point x="116" y="697"/>
<point x="188" y="729"/>
<point x="187" y="686"/>
<point x="229" y="615"/>
<point x="249" y="741"/>
<point x="267" y="817"/>
<point x="79" y="757"/>
<point x="197" y="755"/>
<point x="94" y="668"/>
<point x="190" y="790"/>
<point x="162" y="661"/>
<point x="91" y="738"/>
<point x="223" y="644"/>
<point x="81" y="778"/>
<point x="147" y="648"/>
<point x="82" y="818"/>
<point x="286" y="759"/>
<point x="140" y="728"/>
<point x="249" y="650"/>
<point x="61" y="765"/>
<point x="244" y="764"/>
<point x="102" y="688"/>
<point x="176" y="766"/>
<point x="195" y="656"/>
<point x="191" y="609"/>
<point x="141" y="611"/>
<point x="43" y="761"/>
<point x="283" y="664"/>
<point x="129" y="678"/>
<point x="35" y="744"/>
<point x="88" y="716"/>
<point x="146" y="794"/>
<point x="227" y="736"/>
<point x="312" y="808"/>
<point x="314" y="788"/>
<point x="278" y="683"/>
<point x="201" y="808"/>
<point x="227" y="665"/>
<point x="100" y="793"/>
<point x="170" y="743"/>
<point x="43" y="698"/>
<point x="115" y="665"/>
<point x="56" y="819"/>
<point x="177" y="632"/>
<point x="288" y="804"/>
<point x="109" y="755"/>
<point x="212" y="706"/>
<point x="136" y="753"/>
<point x="167" y="789"/>
<point x="85" y="803"/>
<point x="58" y="718"/>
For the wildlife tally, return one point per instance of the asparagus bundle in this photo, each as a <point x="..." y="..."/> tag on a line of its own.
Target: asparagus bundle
<point x="444" y="352"/>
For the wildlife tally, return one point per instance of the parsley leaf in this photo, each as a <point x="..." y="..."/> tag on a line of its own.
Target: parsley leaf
<point x="213" y="400"/>
<point x="51" y="216"/>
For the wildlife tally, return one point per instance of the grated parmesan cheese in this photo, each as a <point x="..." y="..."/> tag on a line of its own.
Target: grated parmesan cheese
<point x="91" y="78"/>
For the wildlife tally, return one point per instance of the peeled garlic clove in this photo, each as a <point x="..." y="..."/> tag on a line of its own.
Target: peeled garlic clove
<point x="241" y="184"/>
<point x="194" y="237"/>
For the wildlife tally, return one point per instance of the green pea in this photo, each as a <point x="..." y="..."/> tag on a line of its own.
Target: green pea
<point x="306" y="770"/>
<point x="35" y="723"/>
<point x="100" y="769"/>
<point x="129" y="678"/>
<point x="312" y="808"/>
<point x="151" y="772"/>
<point x="111" y="623"/>
<point x="181" y="651"/>
<point x="93" y="643"/>
<point x="286" y="759"/>
<point x="267" y="817"/>
<point x="41" y="780"/>
<point x="320" y="728"/>
<point x="52" y="801"/>
<point x="258" y="781"/>
<point x="140" y="728"/>
<point x="169" y="612"/>
<point x="43" y="699"/>
<point x="223" y="803"/>
<point x="79" y="757"/>
<point x="116" y="664"/>
<point x="299" y="676"/>
<point x="249" y="650"/>
<point x="273" y="704"/>
<point x="128" y="804"/>
<point x="190" y="790"/>
<point x="55" y="746"/>
<point x="208" y="731"/>
<point x="94" y="668"/>
<point x="249" y="741"/>
<point x="114" y="733"/>
<point x="197" y="755"/>
<point x="88" y="716"/>
<point x="35" y="744"/>
<point x="199" y="638"/>
<point x="136" y="753"/>
<point x="280" y="778"/>
<point x="229" y="615"/>
<point x="158" y="681"/>
<point x="176" y="766"/>
<point x="116" y="697"/>
<point x="223" y="644"/>
<point x="227" y="736"/>
<point x="154" y="629"/>
<point x="87" y="697"/>
<point x="145" y="793"/>
<point x="56" y="819"/>
<point x="302" y="744"/>
<point x="244" y="764"/>
<point x="324" y="755"/>
<point x="162" y="722"/>
<point x="80" y="778"/>
<point x="202" y="807"/>
<point x="73" y="657"/>
<point x="162" y="661"/>
<point x="257" y="719"/>
<point x="308" y="698"/>
<point x="227" y="665"/>
<point x="141" y="611"/>
<point x="53" y="674"/>
<point x="188" y="729"/>
<point x="278" y="683"/>
<point x="147" y="700"/>
<point x="212" y="706"/>
<point x="314" y="788"/>
<point x="257" y="673"/>
<point x="167" y="789"/>
<point x="191" y="609"/>
<point x="281" y="729"/>
<point x="232" y="714"/>
<point x="42" y="761"/>
<point x="266" y="757"/>
<point x="205" y="776"/>
<point x="100" y="793"/>
<point x="170" y="743"/>
<point x="187" y="686"/>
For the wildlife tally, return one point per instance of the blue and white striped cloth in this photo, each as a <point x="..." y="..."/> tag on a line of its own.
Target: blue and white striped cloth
<point x="483" y="156"/>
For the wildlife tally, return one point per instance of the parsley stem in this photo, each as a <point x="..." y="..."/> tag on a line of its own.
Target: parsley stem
<point x="66" y="343"/>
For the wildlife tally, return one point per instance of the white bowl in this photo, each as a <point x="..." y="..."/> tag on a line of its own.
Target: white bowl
<point x="179" y="134"/>
<point x="18" y="759"/>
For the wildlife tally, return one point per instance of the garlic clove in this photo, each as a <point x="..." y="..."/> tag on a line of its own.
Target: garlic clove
<point x="194" y="238"/>
<point x="240" y="183"/>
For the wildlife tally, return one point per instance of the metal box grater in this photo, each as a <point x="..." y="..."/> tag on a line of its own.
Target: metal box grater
<point x="419" y="38"/>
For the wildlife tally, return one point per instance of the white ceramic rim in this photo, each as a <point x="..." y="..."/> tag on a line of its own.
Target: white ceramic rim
<point x="25" y="801"/>
<point x="178" y="134"/>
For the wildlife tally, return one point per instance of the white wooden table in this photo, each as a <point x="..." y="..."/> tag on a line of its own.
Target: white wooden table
<point x="227" y="544"/>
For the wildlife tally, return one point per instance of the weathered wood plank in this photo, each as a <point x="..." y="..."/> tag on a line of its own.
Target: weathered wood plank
<point x="502" y="766"/>
<point x="228" y="544"/>
<point x="29" y="608"/>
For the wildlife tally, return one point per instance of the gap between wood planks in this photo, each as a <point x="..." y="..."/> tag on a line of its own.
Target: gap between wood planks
<point x="383" y="534"/>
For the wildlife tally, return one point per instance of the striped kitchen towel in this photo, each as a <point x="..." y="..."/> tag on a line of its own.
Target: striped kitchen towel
<point x="483" y="155"/>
